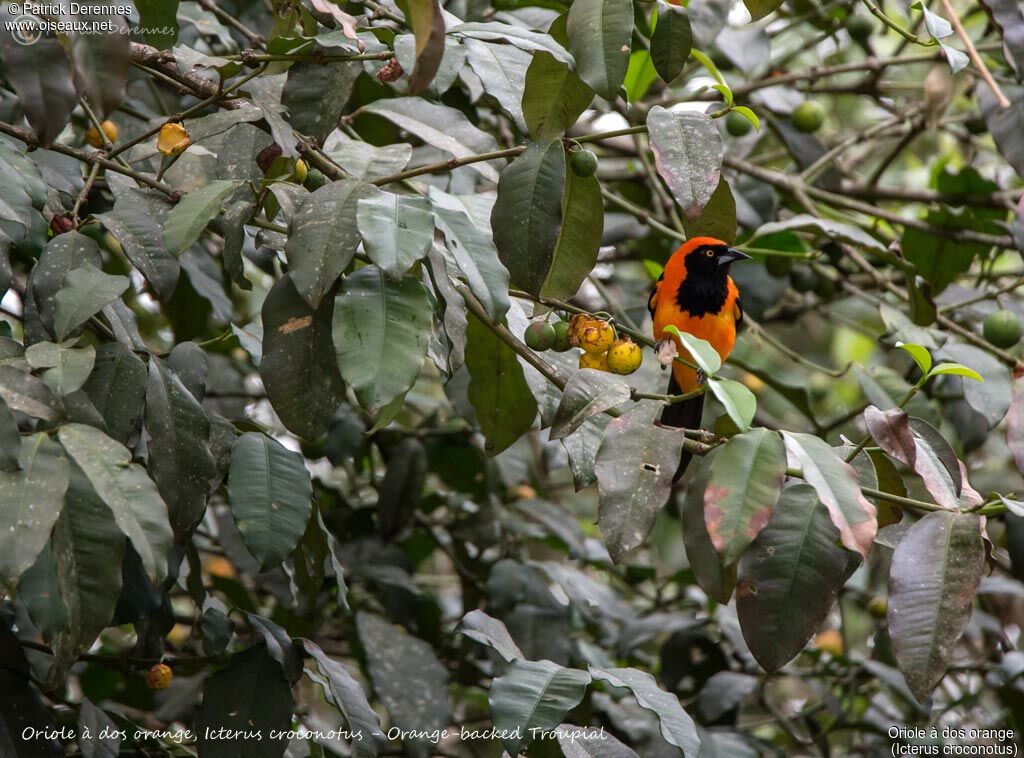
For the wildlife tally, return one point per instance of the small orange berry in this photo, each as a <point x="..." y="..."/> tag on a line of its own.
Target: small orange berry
<point x="173" y="139"/>
<point x="158" y="677"/>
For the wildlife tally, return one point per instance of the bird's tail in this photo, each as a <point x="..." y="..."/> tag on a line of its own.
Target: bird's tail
<point x="684" y="415"/>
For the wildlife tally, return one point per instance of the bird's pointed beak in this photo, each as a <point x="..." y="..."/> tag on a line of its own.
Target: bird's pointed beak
<point x="731" y="255"/>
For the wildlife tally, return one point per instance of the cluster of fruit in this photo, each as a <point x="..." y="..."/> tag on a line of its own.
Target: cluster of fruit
<point x="602" y="348"/>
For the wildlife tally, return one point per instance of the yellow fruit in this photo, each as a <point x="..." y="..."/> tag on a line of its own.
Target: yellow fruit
<point x="624" y="357"/>
<point x="158" y="677"/>
<point x="523" y="492"/>
<point x="597" y="361"/>
<point x="173" y="139"/>
<point x="218" y="565"/>
<point x="301" y="171"/>
<point x="829" y="641"/>
<point x="92" y="135"/>
<point x="592" y="334"/>
<point x="878" y="607"/>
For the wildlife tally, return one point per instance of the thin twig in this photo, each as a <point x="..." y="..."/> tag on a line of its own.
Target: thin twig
<point x="972" y="53"/>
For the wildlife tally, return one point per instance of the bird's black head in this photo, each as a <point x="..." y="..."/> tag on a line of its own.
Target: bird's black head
<point x="711" y="261"/>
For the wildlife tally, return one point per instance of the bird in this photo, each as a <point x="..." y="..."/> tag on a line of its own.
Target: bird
<point x="696" y="295"/>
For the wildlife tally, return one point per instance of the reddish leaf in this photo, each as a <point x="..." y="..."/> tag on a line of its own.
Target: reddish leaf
<point x="428" y="28"/>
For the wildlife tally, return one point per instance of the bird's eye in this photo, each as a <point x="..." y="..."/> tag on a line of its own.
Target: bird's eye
<point x="709" y="253"/>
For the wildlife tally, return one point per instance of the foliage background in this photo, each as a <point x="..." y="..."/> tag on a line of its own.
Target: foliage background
<point x="287" y="441"/>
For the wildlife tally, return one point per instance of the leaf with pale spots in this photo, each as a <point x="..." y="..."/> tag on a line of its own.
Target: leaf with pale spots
<point x="587" y="393"/>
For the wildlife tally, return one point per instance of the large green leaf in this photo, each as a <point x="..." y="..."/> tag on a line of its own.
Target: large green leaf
<point x="87" y="548"/>
<point x="504" y="405"/>
<point x="62" y="254"/>
<point x="677" y="728"/>
<point x="270" y="496"/>
<point x="587" y="393"/>
<point x="600" y="35"/>
<point x="481" y="628"/>
<point x="634" y="467"/>
<point x="671" y="41"/>
<point x="934" y="574"/>
<point x="10" y="438"/>
<point x="407" y="677"/>
<point x="523" y="38"/>
<point x="117" y="388"/>
<point x="248" y="699"/>
<point x="159" y="20"/>
<point x="186" y="221"/>
<point x="29" y="394"/>
<point x="350" y="699"/>
<point x="579" y="238"/>
<point x="126" y="490"/>
<point x="179" y="455"/>
<point x="137" y="224"/>
<point x="102" y="60"/>
<point x="324" y="237"/>
<point x="991" y="397"/>
<point x="688" y="155"/>
<point x="427" y="22"/>
<point x="85" y="292"/>
<point x="397" y="230"/>
<point x="380" y="331"/>
<point x="41" y="76"/>
<point x="554" y="96"/>
<point x="716" y="580"/>
<point x="304" y="95"/>
<point x="31" y="500"/>
<point x="528" y="213"/>
<point x="298" y="365"/>
<point x="788" y="580"/>
<point x="501" y="69"/>
<point x="533" y="695"/>
<point x="838" y="488"/>
<point x="746" y="479"/>
<point x="64" y="368"/>
<point x="761" y="8"/>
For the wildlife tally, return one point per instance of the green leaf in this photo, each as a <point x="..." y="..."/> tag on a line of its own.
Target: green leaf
<point x="788" y="579"/>
<point x="739" y="402"/>
<point x="407" y="677"/>
<point x="748" y="114"/>
<point x="62" y="254"/>
<point x="700" y="351"/>
<point x="85" y="292"/>
<point x="688" y="155"/>
<point x="833" y="230"/>
<point x="270" y="495"/>
<point x="10" y="439"/>
<point x="350" y="700"/>
<point x="718" y="219"/>
<point x="303" y="95"/>
<point x="527" y="214"/>
<point x="761" y="8"/>
<point x="298" y="366"/>
<point x="837" y="487"/>
<point x="991" y="396"/>
<point x="671" y="41"/>
<point x="402" y="487"/>
<point x="159" y="19"/>
<point x="87" y="548"/>
<point x="39" y="590"/>
<point x="587" y="393"/>
<point x="533" y="695"/>
<point x="380" y="330"/>
<point x="41" y="75"/>
<point x="956" y="369"/>
<point x="186" y="221"/>
<point x="634" y="467"/>
<point x="102" y="60"/>
<point x="427" y="23"/>
<point x="249" y="696"/>
<point x="31" y="499"/>
<point x="126" y="490"/>
<point x="922" y="357"/>
<point x="600" y="35"/>
<point x="525" y="39"/>
<point x="501" y="69"/>
<point x="481" y="628"/>
<point x="138" y="226"/>
<point x="640" y="75"/>
<point x="65" y="368"/>
<point x="28" y="394"/>
<point x="554" y="96"/>
<point x="746" y="480"/>
<point x="397" y="230"/>
<point x="98" y="735"/>
<point x="505" y="407"/>
<point x="179" y="455"/>
<point x="445" y="128"/>
<point x="934" y="574"/>
<point x="117" y="389"/>
<point x="677" y="728"/>
<point x="453" y="60"/>
<point x="324" y="237"/>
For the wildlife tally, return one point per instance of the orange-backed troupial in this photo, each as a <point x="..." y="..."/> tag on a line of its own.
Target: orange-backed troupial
<point x="696" y="295"/>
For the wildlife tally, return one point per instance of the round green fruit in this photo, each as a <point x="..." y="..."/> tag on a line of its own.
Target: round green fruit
<point x="778" y="265"/>
<point x="803" y="278"/>
<point x="859" y="27"/>
<point x="583" y="163"/>
<point x="1003" y="329"/>
<point x="315" y="179"/>
<point x="976" y="124"/>
<point x="825" y="288"/>
<point x="540" y="335"/>
<point x="808" y="117"/>
<point x="737" y="124"/>
<point x="562" y="341"/>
